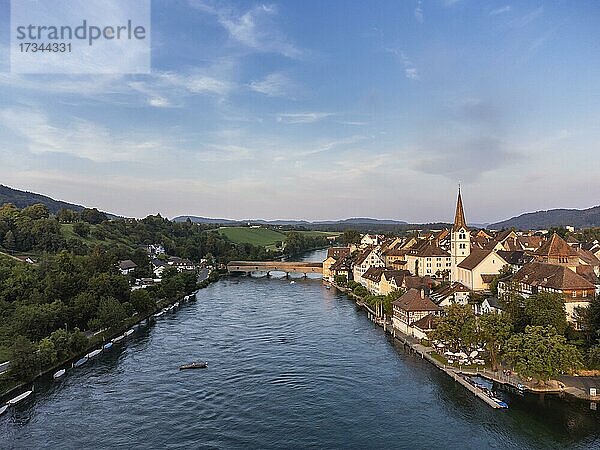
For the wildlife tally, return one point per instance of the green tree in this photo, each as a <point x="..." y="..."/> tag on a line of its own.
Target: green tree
<point x="81" y="229"/>
<point x="23" y="359"/>
<point x="340" y="280"/>
<point x="593" y="357"/>
<point x="350" y="236"/>
<point x="142" y="302"/>
<point x="37" y="211"/>
<point x="78" y="341"/>
<point x="9" y="241"/>
<point x="494" y="331"/>
<point x="110" y="313"/>
<point x="457" y="327"/>
<point x="93" y="216"/>
<point x="47" y="353"/>
<point x="546" y="309"/>
<point x="60" y="339"/>
<point x="542" y="353"/>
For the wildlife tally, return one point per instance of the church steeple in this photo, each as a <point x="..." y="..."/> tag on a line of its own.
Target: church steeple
<point x="459" y="217"/>
<point x="460" y="243"/>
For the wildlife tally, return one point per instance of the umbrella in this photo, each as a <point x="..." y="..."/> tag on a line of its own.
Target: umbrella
<point x="473" y="354"/>
<point x="462" y="355"/>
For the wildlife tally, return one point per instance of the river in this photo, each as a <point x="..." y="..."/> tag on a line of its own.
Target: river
<point x="290" y="365"/>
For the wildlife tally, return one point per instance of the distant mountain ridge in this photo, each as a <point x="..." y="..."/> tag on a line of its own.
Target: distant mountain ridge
<point x="352" y="221"/>
<point x="578" y="218"/>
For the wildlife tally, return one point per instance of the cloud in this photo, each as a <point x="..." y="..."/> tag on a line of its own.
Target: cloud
<point x="254" y="28"/>
<point x="471" y="141"/>
<point x="410" y="70"/>
<point x="160" y="89"/>
<point x="274" y="85"/>
<point x="308" y="117"/>
<point x="419" y="12"/>
<point x="501" y="10"/>
<point x="79" y="138"/>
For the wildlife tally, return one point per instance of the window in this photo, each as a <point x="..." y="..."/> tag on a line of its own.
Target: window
<point x="574" y="294"/>
<point x="585" y="293"/>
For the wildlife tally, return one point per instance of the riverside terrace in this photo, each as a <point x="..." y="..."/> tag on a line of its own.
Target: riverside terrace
<point x="275" y="266"/>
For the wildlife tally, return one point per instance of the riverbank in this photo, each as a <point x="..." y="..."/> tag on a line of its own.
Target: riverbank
<point x="103" y="336"/>
<point x="510" y="383"/>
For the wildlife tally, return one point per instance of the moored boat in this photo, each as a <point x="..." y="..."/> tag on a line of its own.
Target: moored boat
<point x="118" y="339"/>
<point x="194" y="365"/>
<point x="59" y="374"/>
<point x="94" y="353"/>
<point x="499" y="402"/>
<point x="18" y="398"/>
<point x="3" y="409"/>
<point x="129" y="332"/>
<point x="107" y="346"/>
<point x="176" y="305"/>
<point x="80" y="362"/>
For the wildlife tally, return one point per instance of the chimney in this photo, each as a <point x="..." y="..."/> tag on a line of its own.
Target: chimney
<point x="422" y="293"/>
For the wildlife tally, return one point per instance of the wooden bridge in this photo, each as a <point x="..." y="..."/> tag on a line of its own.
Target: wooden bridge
<point x="275" y="266"/>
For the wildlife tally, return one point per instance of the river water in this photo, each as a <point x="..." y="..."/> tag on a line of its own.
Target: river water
<point x="291" y="365"/>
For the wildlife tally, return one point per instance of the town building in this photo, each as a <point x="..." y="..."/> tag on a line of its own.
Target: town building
<point x="410" y="308"/>
<point x="368" y="258"/>
<point x="127" y="267"/>
<point x="427" y="259"/>
<point x="478" y="269"/>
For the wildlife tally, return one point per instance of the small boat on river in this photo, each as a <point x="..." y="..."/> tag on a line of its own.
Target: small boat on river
<point x="194" y="365"/>
<point x="118" y="339"/>
<point x="18" y="398"/>
<point x="3" y="409"/>
<point x="59" y="374"/>
<point x="107" y="346"/>
<point x="129" y="332"/>
<point x="94" y="353"/>
<point x="80" y="362"/>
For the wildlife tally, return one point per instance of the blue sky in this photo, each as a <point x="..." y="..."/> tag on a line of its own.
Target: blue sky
<point x="323" y="110"/>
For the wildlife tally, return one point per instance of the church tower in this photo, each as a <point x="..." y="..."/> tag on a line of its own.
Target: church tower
<point x="460" y="239"/>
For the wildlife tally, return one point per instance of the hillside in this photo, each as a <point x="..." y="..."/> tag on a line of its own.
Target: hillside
<point x="22" y="199"/>
<point x="300" y="223"/>
<point x="579" y="218"/>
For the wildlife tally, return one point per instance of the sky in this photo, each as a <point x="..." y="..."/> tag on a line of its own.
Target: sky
<point x="323" y="110"/>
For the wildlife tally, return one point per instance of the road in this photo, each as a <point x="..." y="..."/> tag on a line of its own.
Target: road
<point x="203" y="275"/>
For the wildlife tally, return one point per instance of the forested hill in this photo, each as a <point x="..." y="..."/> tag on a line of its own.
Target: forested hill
<point x="578" y="218"/>
<point x="22" y="199"/>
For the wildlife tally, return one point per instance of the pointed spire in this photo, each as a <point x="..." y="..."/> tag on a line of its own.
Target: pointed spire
<point x="459" y="218"/>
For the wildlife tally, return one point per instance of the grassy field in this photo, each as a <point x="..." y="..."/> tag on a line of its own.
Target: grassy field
<point x="263" y="236"/>
<point x="67" y="231"/>
<point x="256" y="236"/>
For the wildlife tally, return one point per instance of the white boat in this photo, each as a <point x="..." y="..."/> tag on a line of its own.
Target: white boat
<point x="118" y="339"/>
<point x="158" y="314"/>
<point x="18" y="398"/>
<point x="292" y="282"/>
<point x="80" y="362"/>
<point x="176" y="305"/>
<point x="59" y="374"/>
<point x="94" y="353"/>
<point x="107" y="346"/>
<point x="3" y="409"/>
<point x="129" y="332"/>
